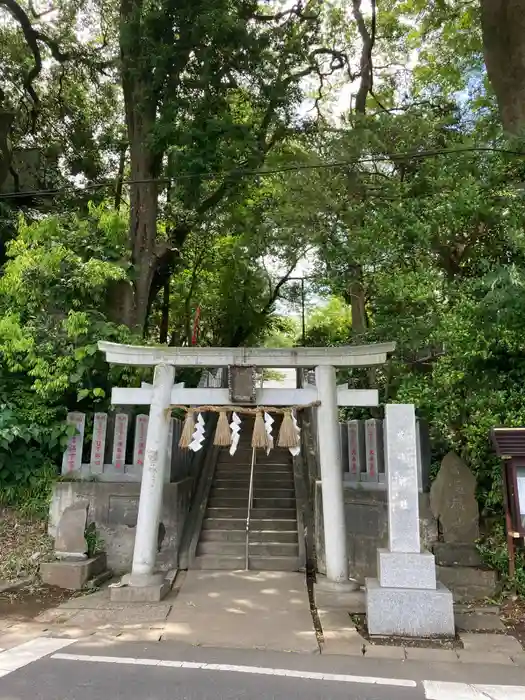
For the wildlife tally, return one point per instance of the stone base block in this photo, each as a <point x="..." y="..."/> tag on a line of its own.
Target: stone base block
<point x="333" y="596"/>
<point x="139" y="594"/>
<point x="455" y="554"/>
<point x="409" y="612"/>
<point x="72" y="575"/>
<point x="406" y="569"/>
<point x="151" y="589"/>
<point x="467" y="583"/>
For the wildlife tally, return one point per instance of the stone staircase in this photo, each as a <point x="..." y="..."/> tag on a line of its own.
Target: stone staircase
<point x="273" y="540"/>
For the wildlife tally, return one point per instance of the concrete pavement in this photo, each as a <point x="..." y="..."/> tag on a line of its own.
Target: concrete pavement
<point x="94" y="669"/>
<point x="231" y="609"/>
<point x="340" y="637"/>
<point x="243" y="609"/>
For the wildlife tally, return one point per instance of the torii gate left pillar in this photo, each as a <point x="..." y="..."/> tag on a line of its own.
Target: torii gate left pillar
<point x="152" y="483"/>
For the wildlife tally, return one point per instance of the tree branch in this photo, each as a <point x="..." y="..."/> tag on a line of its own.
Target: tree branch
<point x="31" y="38"/>
<point x="368" y="38"/>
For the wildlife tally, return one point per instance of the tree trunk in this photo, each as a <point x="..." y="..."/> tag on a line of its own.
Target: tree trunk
<point x="503" y="27"/>
<point x="165" y="314"/>
<point x="140" y="102"/>
<point x="356" y="293"/>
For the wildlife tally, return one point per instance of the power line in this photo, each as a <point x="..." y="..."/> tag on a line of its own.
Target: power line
<point x="235" y="174"/>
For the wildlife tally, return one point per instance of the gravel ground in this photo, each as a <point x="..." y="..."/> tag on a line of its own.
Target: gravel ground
<point x="24" y="544"/>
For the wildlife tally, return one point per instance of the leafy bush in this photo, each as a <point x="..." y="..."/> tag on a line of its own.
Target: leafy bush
<point x="494" y="552"/>
<point x="29" y="454"/>
<point x="53" y="291"/>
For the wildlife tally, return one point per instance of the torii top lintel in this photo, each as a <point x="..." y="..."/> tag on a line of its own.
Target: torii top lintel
<point x="342" y="356"/>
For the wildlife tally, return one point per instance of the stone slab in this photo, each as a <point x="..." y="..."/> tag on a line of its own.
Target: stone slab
<point x="467" y="583"/>
<point x="456" y="554"/>
<point x="502" y="643"/>
<point x="431" y="655"/>
<point x="519" y="659"/>
<point x="338" y="627"/>
<point x="409" y="612"/>
<point x="476" y="622"/>
<point x="386" y="651"/>
<point x="72" y="459"/>
<point x="349" y="601"/>
<point x="98" y="445"/>
<point x="336" y="647"/>
<point x="140" y="594"/>
<point x="484" y="657"/>
<point x="56" y="616"/>
<point x="243" y="610"/>
<point x="402" y="478"/>
<point x="72" y="575"/>
<point x="130" y="616"/>
<point x="481" y="609"/>
<point x="139" y="635"/>
<point x="406" y="569"/>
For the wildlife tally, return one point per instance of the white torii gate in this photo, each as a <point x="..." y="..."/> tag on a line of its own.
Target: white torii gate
<point x="164" y="393"/>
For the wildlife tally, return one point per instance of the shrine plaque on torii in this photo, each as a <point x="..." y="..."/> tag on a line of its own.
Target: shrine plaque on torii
<point x="241" y="383"/>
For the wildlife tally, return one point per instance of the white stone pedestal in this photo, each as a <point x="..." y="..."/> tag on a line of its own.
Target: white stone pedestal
<point x="408" y="612"/>
<point x="405" y="600"/>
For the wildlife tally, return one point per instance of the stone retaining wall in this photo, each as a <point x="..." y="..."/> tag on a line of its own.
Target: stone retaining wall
<point x="366" y="517"/>
<point x="113" y="507"/>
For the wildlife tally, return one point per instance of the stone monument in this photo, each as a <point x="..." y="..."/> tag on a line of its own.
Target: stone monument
<point x="405" y="600"/>
<point x="70" y="542"/>
<point x="453" y="503"/>
<point x="73" y="569"/>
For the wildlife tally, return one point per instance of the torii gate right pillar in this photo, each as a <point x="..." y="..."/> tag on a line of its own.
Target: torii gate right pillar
<point x="331" y="475"/>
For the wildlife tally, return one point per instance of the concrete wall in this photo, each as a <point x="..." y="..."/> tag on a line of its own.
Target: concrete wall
<point x="367" y="528"/>
<point x="113" y="507"/>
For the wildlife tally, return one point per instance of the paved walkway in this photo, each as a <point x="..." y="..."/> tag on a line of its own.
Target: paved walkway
<point x="227" y="609"/>
<point x="246" y="610"/>
<point x="243" y="609"/>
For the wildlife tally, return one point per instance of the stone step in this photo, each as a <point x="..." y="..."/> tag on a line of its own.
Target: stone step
<point x="223" y="549"/>
<point x="258" y="484"/>
<point x="259" y="549"/>
<point x="260" y="492"/>
<point x="468" y="583"/>
<point x="245" y="478"/>
<point x="245" y="469"/>
<point x="245" y="458"/>
<point x="267" y="502"/>
<point x="255" y="523"/>
<point x="257" y="513"/>
<point x="454" y="554"/>
<point x="258" y="476"/>
<point x="268" y="563"/>
<point x="226" y="535"/>
<point x="273" y="491"/>
<point x="242" y="502"/>
<point x="236" y="563"/>
<point x="216" y="562"/>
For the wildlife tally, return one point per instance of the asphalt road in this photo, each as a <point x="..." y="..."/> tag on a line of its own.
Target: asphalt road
<point x="135" y="671"/>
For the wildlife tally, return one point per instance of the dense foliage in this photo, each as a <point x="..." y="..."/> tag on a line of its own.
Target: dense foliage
<point x="167" y="168"/>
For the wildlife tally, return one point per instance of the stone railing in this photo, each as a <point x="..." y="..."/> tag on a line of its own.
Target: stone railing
<point x="115" y="451"/>
<point x="363" y="453"/>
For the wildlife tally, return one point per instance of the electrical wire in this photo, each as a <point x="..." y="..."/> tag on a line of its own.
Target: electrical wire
<point x="402" y="155"/>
